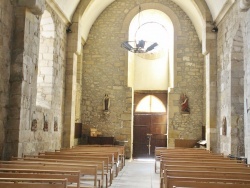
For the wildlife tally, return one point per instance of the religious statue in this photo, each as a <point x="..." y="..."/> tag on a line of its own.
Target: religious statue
<point x="34" y="125"/>
<point x="224" y="126"/>
<point x="55" y="125"/>
<point x="106" y="103"/>
<point x="184" y="104"/>
<point x="45" y="124"/>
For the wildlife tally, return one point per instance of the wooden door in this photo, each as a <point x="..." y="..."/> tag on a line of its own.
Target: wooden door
<point x="149" y="128"/>
<point x="141" y="129"/>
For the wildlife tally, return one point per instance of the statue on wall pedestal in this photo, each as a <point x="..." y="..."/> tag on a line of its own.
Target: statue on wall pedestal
<point x="224" y="126"/>
<point x="106" y="104"/>
<point x="55" y="124"/>
<point x="34" y="125"/>
<point x="45" y="124"/>
<point x="184" y="104"/>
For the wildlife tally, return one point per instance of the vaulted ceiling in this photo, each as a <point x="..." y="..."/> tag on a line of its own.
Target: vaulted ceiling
<point x="95" y="7"/>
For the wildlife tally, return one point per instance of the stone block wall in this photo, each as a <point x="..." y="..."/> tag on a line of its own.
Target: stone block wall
<point x="51" y="138"/>
<point x="247" y="82"/>
<point x="23" y="111"/>
<point x="232" y="48"/>
<point x="105" y="71"/>
<point x="6" y="27"/>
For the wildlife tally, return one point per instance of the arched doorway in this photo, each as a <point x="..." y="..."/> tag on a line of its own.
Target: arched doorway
<point x="150" y="123"/>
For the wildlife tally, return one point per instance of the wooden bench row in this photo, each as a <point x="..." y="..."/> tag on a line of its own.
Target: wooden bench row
<point x="32" y="183"/>
<point x="199" y="168"/>
<point x="76" y="167"/>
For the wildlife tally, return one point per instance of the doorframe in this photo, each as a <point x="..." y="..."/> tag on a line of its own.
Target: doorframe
<point x="149" y="92"/>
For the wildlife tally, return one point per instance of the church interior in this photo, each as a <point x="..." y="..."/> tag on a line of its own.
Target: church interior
<point x="137" y="73"/>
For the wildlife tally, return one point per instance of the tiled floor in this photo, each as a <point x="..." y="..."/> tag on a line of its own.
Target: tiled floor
<point x="137" y="174"/>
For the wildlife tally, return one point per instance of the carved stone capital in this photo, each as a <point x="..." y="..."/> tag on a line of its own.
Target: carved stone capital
<point x="37" y="7"/>
<point x="244" y="5"/>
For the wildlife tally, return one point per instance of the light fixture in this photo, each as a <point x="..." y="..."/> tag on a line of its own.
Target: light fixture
<point x="215" y="29"/>
<point x="139" y="46"/>
<point x="68" y="30"/>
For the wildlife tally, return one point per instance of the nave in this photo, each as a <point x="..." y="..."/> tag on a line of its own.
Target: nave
<point x="137" y="174"/>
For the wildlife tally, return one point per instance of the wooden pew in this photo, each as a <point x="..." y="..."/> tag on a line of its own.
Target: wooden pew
<point x="173" y="181"/>
<point x="208" y="168"/>
<point x="32" y="183"/>
<point x="121" y="150"/>
<point x="100" y="164"/>
<point x="110" y="155"/>
<point x="201" y="162"/>
<point x="173" y="159"/>
<point x="163" y="152"/>
<point x="95" y="150"/>
<point x="197" y="162"/>
<point x="90" y="170"/>
<point x="73" y="177"/>
<point x="206" y="174"/>
<point x="107" y="164"/>
<point x="191" y="184"/>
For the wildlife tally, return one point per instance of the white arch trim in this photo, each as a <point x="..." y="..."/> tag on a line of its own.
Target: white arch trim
<point x="91" y="13"/>
<point x="95" y="8"/>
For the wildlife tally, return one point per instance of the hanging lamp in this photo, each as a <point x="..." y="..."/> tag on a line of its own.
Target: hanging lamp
<point x="139" y="46"/>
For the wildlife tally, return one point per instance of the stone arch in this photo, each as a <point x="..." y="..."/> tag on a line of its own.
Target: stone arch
<point x="176" y="27"/>
<point x="237" y="95"/>
<point x="45" y="61"/>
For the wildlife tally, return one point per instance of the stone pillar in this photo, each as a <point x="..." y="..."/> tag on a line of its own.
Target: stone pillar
<point x="247" y="112"/>
<point x="173" y="108"/>
<point x="73" y="52"/>
<point x="22" y="76"/>
<point x="247" y="92"/>
<point x="209" y="50"/>
<point x="70" y="97"/>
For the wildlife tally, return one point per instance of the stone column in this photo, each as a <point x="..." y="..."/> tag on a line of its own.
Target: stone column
<point x="247" y="85"/>
<point x="209" y="50"/>
<point x="73" y="52"/>
<point x="173" y="108"/>
<point x="22" y="76"/>
<point x="247" y="107"/>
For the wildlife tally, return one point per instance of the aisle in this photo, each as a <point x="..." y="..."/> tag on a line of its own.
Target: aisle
<point x="137" y="174"/>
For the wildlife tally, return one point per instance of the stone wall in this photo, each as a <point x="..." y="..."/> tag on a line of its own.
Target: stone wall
<point x="54" y="70"/>
<point x="105" y="71"/>
<point x="189" y="66"/>
<point x="31" y="128"/>
<point x="6" y="26"/>
<point x="49" y="138"/>
<point x="246" y="38"/>
<point x="233" y="53"/>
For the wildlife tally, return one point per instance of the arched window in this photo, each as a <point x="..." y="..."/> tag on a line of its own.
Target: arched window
<point x="152" y="70"/>
<point x="45" y="62"/>
<point x="150" y="103"/>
